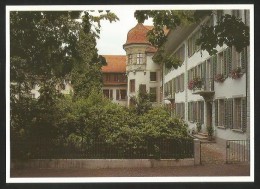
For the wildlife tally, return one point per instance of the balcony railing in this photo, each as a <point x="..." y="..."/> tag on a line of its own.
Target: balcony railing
<point x="136" y="67"/>
<point x="201" y="84"/>
<point x="203" y="87"/>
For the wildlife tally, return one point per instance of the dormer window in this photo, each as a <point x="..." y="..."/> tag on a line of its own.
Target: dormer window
<point x="140" y="58"/>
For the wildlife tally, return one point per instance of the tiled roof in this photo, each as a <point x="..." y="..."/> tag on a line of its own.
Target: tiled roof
<point x="115" y="64"/>
<point x="138" y="34"/>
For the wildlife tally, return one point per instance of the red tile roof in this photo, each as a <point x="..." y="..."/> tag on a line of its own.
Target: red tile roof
<point x="115" y="64"/>
<point x="138" y="34"/>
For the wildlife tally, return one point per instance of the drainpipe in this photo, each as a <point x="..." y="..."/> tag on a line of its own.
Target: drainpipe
<point x="185" y="81"/>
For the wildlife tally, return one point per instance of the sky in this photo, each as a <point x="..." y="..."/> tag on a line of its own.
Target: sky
<point x="113" y="35"/>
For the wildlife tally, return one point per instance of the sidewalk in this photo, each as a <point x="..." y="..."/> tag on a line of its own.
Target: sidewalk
<point x="203" y="170"/>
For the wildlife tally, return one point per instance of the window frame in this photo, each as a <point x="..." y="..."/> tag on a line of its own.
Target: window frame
<point x="152" y="76"/>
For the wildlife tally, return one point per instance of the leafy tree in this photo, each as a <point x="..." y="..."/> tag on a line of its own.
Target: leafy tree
<point x="229" y="30"/>
<point x="47" y="47"/>
<point x="142" y="102"/>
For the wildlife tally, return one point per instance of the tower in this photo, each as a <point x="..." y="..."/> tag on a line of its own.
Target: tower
<point x="143" y="74"/>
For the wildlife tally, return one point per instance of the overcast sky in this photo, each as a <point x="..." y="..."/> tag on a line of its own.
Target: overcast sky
<point x="113" y="35"/>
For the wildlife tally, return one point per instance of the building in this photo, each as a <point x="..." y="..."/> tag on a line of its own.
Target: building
<point x="211" y="90"/>
<point x="114" y="79"/>
<point x="64" y="88"/>
<point x="142" y="73"/>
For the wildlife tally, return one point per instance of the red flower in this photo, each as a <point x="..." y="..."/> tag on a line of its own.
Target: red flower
<point x="236" y="73"/>
<point x="219" y="78"/>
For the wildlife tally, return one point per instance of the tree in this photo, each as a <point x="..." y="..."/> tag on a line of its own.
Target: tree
<point x="47" y="47"/>
<point x="229" y="29"/>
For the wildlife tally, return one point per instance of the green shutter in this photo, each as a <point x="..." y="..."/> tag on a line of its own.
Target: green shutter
<point x="243" y="55"/>
<point x="226" y="113"/>
<point x="225" y="64"/>
<point x="244" y="114"/>
<point x="229" y="60"/>
<point x="230" y="113"/>
<point x="188" y="111"/>
<point x="216" y="112"/>
<point x="202" y="112"/>
<point x="214" y="62"/>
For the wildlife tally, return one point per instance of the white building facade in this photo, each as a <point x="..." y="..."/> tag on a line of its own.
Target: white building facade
<point x="142" y="73"/>
<point x="211" y="90"/>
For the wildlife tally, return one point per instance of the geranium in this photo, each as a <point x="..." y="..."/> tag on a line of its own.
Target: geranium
<point x="195" y="83"/>
<point x="236" y="73"/>
<point x="219" y="78"/>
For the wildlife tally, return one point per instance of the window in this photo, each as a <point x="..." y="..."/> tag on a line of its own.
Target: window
<point x="237" y="114"/>
<point x="142" y="88"/>
<point x="178" y="83"/>
<point x="140" y="58"/>
<point x="219" y="112"/>
<point x="180" y="110"/>
<point x="231" y="113"/>
<point x="130" y="59"/>
<point x="123" y="94"/>
<point x="153" y="76"/>
<point x="120" y="94"/>
<point x="116" y="79"/>
<point x="196" y="111"/>
<point x="108" y="93"/>
<point x="220" y="63"/>
<point x="192" y="47"/>
<point x="107" y="77"/>
<point x="132" y="85"/>
<point x="239" y="59"/>
<point x="153" y="94"/>
<point x="180" y="53"/>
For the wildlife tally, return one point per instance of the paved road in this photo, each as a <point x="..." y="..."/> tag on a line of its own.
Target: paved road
<point x="203" y="170"/>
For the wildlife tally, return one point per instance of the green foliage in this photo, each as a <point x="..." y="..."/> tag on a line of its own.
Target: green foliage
<point x="198" y="125"/>
<point x="142" y="102"/>
<point x="229" y="30"/>
<point x="210" y="131"/>
<point x="47" y="47"/>
<point x="169" y="61"/>
<point x="158" y="124"/>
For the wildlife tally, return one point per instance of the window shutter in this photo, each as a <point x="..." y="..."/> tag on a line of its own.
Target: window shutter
<point x="229" y="60"/>
<point x="216" y="112"/>
<point x="111" y="94"/>
<point x="243" y="55"/>
<point x="204" y="70"/>
<point x="225" y="63"/>
<point x="117" y="94"/>
<point x="194" y="111"/>
<point x="202" y="112"/>
<point x="226" y="113"/>
<point x="212" y="67"/>
<point x="188" y="111"/>
<point x="230" y="113"/>
<point x="214" y="62"/>
<point x="244" y="114"/>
